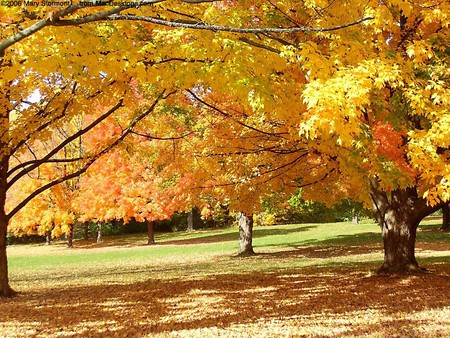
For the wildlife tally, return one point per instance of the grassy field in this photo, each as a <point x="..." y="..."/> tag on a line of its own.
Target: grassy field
<point x="306" y="280"/>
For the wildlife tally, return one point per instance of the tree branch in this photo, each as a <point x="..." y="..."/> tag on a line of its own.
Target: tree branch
<point x="62" y="145"/>
<point x="202" y="26"/>
<point x="55" y="18"/>
<point x="151" y="137"/>
<point x="259" y="45"/>
<point x="89" y="162"/>
<point x="54" y="160"/>
<point x="221" y="112"/>
<point x="113" y="14"/>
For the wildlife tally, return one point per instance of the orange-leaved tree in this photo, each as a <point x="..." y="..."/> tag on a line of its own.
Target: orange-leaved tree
<point x="70" y="56"/>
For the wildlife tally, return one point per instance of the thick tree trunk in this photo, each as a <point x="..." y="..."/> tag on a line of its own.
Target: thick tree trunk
<point x="399" y="216"/>
<point x="99" y="233"/>
<point x="399" y="238"/>
<point x="190" y="220"/>
<point x="445" y="217"/>
<point x="70" y="236"/>
<point x="245" y="234"/>
<point x="151" y="233"/>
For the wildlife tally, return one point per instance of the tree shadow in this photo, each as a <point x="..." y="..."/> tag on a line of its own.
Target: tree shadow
<point x="262" y="232"/>
<point x="340" y="245"/>
<point x="228" y="237"/>
<point x="302" y="299"/>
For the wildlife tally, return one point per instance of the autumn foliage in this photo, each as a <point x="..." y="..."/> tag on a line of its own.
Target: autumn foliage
<point x="244" y="98"/>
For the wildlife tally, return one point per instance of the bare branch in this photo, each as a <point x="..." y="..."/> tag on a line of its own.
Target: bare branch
<point x="202" y="26"/>
<point x="55" y="19"/>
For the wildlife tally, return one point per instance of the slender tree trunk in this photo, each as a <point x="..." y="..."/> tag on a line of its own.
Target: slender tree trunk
<point x="86" y="230"/>
<point x="190" y="220"/>
<point x="5" y="108"/>
<point x="70" y="236"/>
<point x="5" y="289"/>
<point x="99" y="233"/>
<point x="245" y="234"/>
<point x="355" y="218"/>
<point x="151" y="233"/>
<point x="399" y="216"/>
<point x="445" y="217"/>
<point x="48" y="237"/>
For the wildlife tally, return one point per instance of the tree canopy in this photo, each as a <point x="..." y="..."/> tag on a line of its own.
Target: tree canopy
<point x="341" y="98"/>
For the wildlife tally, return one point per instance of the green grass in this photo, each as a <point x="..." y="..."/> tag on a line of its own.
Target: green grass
<point x="206" y="252"/>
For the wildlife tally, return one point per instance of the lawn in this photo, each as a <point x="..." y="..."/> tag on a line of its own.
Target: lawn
<point x="306" y="280"/>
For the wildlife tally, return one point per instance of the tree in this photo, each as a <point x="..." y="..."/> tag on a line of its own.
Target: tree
<point x="372" y="106"/>
<point x="150" y="232"/>
<point x="126" y="185"/>
<point x="299" y="54"/>
<point x="381" y="114"/>
<point x="190" y="220"/>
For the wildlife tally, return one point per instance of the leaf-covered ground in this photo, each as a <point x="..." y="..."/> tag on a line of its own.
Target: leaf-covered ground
<point x="314" y="290"/>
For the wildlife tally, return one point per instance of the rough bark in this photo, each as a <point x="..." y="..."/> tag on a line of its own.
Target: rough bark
<point x="190" y="220"/>
<point x="245" y="234"/>
<point x="399" y="213"/>
<point x="445" y="218"/>
<point x="99" y="233"/>
<point x="151" y="233"/>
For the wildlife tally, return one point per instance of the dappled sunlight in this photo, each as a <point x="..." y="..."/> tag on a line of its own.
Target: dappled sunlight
<point x="194" y="290"/>
<point x="310" y="301"/>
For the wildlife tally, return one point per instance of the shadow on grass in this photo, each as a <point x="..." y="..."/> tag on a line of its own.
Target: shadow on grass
<point x="128" y="240"/>
<point x="342" y="243"/>
<point x="427" y="233"/>
<point x="323" y="299"/>
<point x="228" y="237"/>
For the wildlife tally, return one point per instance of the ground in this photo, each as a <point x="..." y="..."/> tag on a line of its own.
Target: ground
<point x="306" y="280"/>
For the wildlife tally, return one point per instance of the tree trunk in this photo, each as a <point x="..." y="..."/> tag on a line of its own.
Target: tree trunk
<point x="5" y="289"/>
<point x="445" y="217"/>
<point x="70" y="236"/>
<point x="399" y="238"/>
<point x="99" y="233"/>
<point x="245" y="234"/>
<point x="399" y="216"/>
<point x="190" y="220"/>
<point x="86" y="230"/>
<point x="151" y="233"/>
<point x="48" y="237"/>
